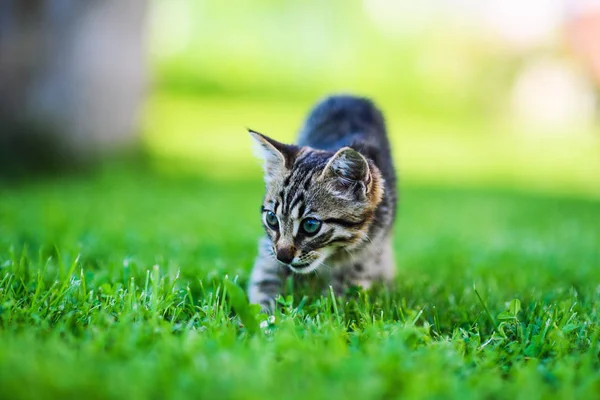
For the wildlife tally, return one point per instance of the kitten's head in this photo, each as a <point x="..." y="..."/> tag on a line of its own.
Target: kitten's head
<point x="318" y="204"/>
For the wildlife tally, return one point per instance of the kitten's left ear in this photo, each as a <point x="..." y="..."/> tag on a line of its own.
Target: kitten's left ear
<point x="349" y="166"/>
<point x="276" y="156"/>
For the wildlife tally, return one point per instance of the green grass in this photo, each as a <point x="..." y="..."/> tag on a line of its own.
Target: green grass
<point x="113" y="285"/>
<point x="127" y="282"/>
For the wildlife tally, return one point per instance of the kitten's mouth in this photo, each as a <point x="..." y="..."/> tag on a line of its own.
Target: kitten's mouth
<point x="299" y="268"/>
<point x="304" y="268"/>
<point x="307" y="268"/>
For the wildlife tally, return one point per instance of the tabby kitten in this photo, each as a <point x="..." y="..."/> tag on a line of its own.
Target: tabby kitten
<point x="330" y="202"/>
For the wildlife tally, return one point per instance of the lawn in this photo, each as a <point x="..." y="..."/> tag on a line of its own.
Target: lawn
<point x="127" y="280"/>
<point x="122" y="282"/>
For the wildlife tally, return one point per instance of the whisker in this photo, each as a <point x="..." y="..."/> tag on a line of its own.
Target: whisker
<point x="322" y="255"/>
<point x="350" y="254"/>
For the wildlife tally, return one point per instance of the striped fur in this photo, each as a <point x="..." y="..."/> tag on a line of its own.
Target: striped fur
<point x="339" y="176"/>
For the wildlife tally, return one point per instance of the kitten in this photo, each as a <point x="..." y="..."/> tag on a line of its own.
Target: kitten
<point x="330" y="202"/>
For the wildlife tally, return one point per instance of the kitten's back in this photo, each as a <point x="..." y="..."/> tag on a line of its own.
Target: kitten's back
<point x="344" y="120"/>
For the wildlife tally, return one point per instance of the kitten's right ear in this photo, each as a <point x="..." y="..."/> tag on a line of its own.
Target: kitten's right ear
<point x="277" y="156"/>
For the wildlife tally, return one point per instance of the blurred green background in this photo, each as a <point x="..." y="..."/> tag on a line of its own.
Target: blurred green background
<point x="466" y="103"/>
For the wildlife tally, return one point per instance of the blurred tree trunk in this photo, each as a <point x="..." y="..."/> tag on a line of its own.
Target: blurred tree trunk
<point x="72" y="77"/>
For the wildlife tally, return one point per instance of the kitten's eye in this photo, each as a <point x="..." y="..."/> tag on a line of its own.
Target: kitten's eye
<point x="311" y="226"/>
<point x="272" y="220"/>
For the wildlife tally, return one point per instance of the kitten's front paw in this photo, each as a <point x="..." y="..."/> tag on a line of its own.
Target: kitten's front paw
<point x="266" y="303"/>
<point x="267" y="307"/>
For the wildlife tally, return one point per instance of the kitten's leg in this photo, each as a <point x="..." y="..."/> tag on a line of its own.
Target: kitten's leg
<point x="387" y="264"/>
<point x="377" y="265"/>
<point x="339" y="283"/>
<point x="354" y="274"/>
<point x="265" y="280"/>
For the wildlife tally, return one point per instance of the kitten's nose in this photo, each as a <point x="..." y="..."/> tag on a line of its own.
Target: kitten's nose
<point x="286" y="254"/>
